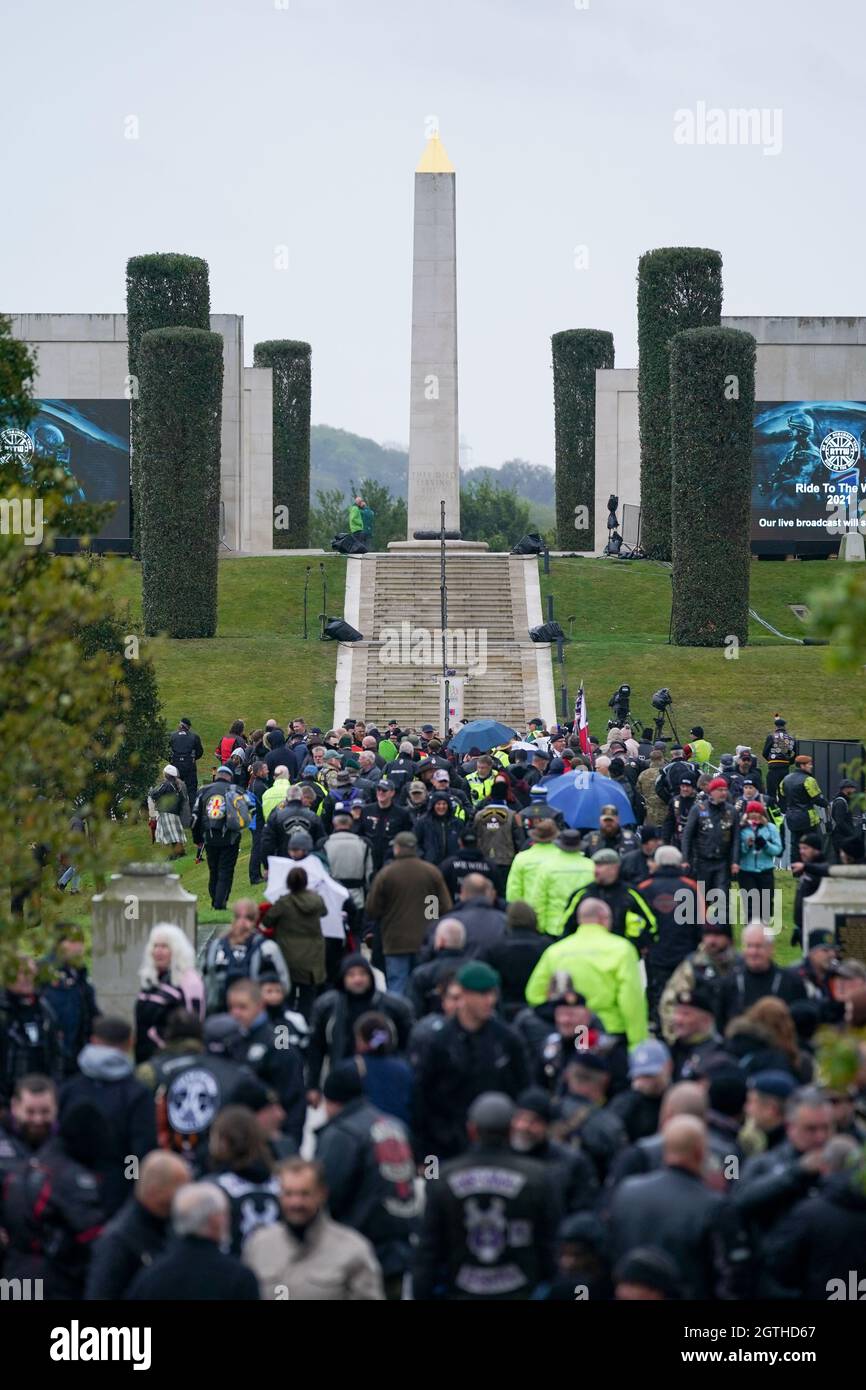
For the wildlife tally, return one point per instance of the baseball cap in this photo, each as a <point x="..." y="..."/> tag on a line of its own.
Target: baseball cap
<point x="687" y="781"/>
<point x="384" y="785"/>
<point x="648" y="1059"/>
<point x="608" y="810"/>
<point x="780" y="1084"/>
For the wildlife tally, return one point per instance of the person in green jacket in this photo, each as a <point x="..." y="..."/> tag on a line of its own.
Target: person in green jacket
<point x="524" y="874"/>
<point x="604" y="968"/>
<point x="356" y="520"/>
<point x="559" y="878"/>
<point x="701" y="748"/>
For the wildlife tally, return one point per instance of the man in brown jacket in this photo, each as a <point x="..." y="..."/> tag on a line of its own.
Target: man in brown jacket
<point x="307" y="1256"/>
<point x="406" y="896"/>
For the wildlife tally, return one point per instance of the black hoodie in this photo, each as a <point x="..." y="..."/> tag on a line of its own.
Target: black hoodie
<point x="336" y="1012"/>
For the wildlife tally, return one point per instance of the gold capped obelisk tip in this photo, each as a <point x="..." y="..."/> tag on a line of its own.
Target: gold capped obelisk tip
<point x="435" y="160"/>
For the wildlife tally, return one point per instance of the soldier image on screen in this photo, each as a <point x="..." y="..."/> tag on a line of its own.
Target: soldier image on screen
<point x="801" y="464"/>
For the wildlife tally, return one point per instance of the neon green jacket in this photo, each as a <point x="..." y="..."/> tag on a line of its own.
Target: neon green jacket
<point x="356" y="521"/>
<point x="561" y="876"/>
<point x="605" y="969"/>
<point x="523" y="876"/>
<point x="702" y="751"/>
<point x="274" y="796"/>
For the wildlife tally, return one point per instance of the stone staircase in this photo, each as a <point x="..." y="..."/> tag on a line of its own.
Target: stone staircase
<point x="394" y="600"/>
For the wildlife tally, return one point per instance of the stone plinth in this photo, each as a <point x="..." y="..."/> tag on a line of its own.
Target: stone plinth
<point x="459" y="546"/>
<point x="134" y="901"/>
<point x="839" y="906"/>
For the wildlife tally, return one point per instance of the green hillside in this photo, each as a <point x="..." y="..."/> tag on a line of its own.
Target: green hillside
<point x="621" y="612"/>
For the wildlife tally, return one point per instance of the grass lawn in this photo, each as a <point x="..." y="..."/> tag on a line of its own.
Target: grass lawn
<point x="622" y="610"/>
<point x="258" y="666"/>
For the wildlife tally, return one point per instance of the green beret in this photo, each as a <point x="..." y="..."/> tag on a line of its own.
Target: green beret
<point x="351" y="762"/>
<point x="478" y="977"/>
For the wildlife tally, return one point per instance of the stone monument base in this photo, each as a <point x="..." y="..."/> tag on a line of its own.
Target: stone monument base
<point x="461" y="547"/>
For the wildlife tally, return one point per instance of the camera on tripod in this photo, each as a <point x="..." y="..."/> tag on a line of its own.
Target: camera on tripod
<point x="662" y="701"/>
<point x="614" y="540"/>
<point x="619" y="702"/>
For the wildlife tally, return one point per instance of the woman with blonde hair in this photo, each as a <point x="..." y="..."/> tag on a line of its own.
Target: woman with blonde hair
<point x="169" y="980"/>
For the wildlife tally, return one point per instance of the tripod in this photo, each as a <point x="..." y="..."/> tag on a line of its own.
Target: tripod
<point x="306" y="586"/>
<point x="323" y="616"/>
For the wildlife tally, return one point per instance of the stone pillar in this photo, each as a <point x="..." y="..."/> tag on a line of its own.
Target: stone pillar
<point x="134" y="901"/>
<point x="839" y="906"/>
<point x="434" y="459"/>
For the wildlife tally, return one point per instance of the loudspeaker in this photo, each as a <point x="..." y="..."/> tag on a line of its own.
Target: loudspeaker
<point x="530" y="544"/>
<point x="347" y="544"/>
<point x="547" y="632"/>
<point x="338" y="631"/>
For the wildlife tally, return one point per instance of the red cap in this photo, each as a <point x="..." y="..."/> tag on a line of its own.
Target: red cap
<point x="716" y="783"/>
<point x="754" y="806"/>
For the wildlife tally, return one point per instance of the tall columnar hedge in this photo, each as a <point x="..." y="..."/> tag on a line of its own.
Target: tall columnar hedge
<point x="162" y="291"/>
<point x="180" y="411"/>
<point x="577" y="355"/>
<point x="679" y="287"/>
<point x="290" y="363"/>
<point x="712" y="406"/>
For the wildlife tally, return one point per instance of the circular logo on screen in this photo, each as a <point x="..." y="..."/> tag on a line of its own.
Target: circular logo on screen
<point x="15" y="445"/>
<point x="839" y="451"/>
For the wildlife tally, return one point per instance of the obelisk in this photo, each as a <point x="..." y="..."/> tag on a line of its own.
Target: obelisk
<point x="434" y="460"/>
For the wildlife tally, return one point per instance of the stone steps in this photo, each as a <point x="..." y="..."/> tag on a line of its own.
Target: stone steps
<point x="396" y="671"/>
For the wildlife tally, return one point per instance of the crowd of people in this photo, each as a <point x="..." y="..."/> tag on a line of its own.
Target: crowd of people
<point x="463" y="1043"/>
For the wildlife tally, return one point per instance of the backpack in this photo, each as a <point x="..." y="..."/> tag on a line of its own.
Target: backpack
<point x="493" y="830"/>
<point x="225" y="812"/>
<point x="227" y="746"/>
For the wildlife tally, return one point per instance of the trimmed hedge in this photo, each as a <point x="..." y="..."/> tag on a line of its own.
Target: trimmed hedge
<point x="679" y="287"/>
<point x="712" y="407"/>
<point x="180" y="413"/>
<point x="162" y="291"/>
<point x="577" y="355"/>
<point x="291" y="365"/>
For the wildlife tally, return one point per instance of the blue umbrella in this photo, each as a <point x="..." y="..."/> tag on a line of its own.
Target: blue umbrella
<point x="482" y="734"/>
<point x="579" y="796"/>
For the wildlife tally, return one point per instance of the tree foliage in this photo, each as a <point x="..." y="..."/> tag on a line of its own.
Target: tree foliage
<point x="679" y="287"/>
<point x="132" y="768"/>
<point x="58" y="711"/>
<point x="291" y="365"/>
<point x="712" y="373"/>
<point x="493" y="514"/>
<point x="179" y="425"/>
<point x="577" y="354"/>
<point x="162" y="291"/>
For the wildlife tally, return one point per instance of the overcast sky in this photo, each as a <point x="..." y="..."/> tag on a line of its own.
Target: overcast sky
<point x="265" y="124"/>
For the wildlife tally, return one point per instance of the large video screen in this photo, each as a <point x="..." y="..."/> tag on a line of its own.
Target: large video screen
<point x="807" y="463"/>
<point x="90" y="441"/>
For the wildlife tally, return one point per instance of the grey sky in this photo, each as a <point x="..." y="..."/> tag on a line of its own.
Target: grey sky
<point x="262" y="127"/>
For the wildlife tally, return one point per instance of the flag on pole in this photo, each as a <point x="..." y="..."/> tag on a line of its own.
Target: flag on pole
<point x="581" y="723"/>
